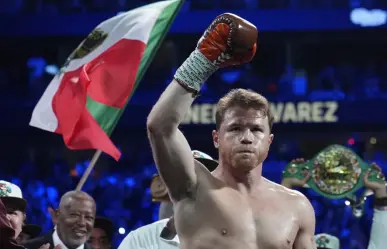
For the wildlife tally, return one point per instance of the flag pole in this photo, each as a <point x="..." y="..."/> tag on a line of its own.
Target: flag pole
<point x="93" y="161"/>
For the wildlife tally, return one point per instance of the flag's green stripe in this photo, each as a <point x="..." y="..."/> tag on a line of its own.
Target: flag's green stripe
<point x="157" y="35"/>
<point x="107" y="116"/>
<point x="103" y="114"/>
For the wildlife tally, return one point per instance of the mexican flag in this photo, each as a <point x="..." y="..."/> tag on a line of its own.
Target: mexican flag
<point x="85" y="100"/>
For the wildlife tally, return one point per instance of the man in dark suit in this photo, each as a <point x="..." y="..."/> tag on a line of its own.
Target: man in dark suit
<point x="29" y="232"/>
<point x="75" y="222"/>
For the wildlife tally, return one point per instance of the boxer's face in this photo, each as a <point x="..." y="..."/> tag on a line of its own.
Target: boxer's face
<point x="243" y="138"/>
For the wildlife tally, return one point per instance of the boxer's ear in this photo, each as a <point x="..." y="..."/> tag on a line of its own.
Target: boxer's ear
<point x="271" y="138"/>
<point x="215" y="138"/>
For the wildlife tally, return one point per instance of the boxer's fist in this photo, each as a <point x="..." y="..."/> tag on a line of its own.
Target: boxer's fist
<point x="158" y="189"/>
<point x="229" y="40"/>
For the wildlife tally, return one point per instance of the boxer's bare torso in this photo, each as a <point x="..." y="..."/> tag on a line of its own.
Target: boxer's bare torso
<point x="233" y="207"/>
<point x="219" y="216"/>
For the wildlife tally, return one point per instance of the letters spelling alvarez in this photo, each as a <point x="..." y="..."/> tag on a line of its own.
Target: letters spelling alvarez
<point x="283" y="112"/>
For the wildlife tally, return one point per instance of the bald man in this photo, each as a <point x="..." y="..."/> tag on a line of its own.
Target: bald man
<point x="75" y="222"/>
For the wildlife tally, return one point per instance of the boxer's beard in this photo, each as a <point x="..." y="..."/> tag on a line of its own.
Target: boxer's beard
<point x="244" y="163"/>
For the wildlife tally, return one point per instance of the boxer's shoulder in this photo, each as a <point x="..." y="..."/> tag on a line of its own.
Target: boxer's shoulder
<point x="284" y="192"/>
<point x="293" y="198"/>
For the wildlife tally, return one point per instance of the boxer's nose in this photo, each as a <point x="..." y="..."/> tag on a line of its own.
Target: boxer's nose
<point x="247" y="137"/>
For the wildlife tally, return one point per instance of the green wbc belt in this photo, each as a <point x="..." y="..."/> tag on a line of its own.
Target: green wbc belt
<point x="336" y="172"/>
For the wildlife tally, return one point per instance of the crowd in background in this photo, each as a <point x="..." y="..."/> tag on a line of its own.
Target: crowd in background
<point x="330" y="80"/>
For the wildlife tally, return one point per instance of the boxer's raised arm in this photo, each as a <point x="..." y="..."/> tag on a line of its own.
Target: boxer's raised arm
<point x="305" y="236"/>
<point x="170" y="148"/>
<point x="229" y="41"/>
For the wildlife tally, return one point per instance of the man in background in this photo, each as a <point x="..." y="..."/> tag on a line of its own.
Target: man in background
<point x="12" y="214"/>
<point x="12" y="198"/>
<point x="102" y="234"/>
<point x="74" y="223"/>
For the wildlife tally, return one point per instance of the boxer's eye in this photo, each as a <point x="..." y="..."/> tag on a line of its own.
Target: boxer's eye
<point x="235" y="128"/>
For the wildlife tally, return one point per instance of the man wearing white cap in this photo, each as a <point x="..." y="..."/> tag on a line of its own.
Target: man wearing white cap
<point x="15" y="207"/>
<point x="162" y="234"/>
<point x="12" y="209"/>
<point x="11" y="196"/>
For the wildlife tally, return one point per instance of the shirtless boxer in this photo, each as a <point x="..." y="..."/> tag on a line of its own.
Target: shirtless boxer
<point x="233" y="207"/>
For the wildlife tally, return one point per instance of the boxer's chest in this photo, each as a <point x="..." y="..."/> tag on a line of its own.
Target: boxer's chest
<point x="272" y="224"/>
<point x="275" y="226"/>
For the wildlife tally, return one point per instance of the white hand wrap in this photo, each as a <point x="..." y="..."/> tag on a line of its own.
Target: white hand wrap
<point x="195" y="70"/>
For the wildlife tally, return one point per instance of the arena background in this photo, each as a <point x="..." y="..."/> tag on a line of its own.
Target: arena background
<point x="326" y="55"/>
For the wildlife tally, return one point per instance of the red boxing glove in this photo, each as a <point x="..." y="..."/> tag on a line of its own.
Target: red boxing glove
<point x="230" y="40"/>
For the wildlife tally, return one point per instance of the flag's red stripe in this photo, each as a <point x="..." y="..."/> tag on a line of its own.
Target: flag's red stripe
<point x="78" y="128"/>
<point x="113" y="73"/>
<point x="108" y="79"/>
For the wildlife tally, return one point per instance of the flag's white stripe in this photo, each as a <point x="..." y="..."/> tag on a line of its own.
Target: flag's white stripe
<point x="135" y="25"/>
<point x="43" y="116"/>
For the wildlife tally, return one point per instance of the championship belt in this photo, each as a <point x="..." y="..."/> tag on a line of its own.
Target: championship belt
<point x="336" y="172"/>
